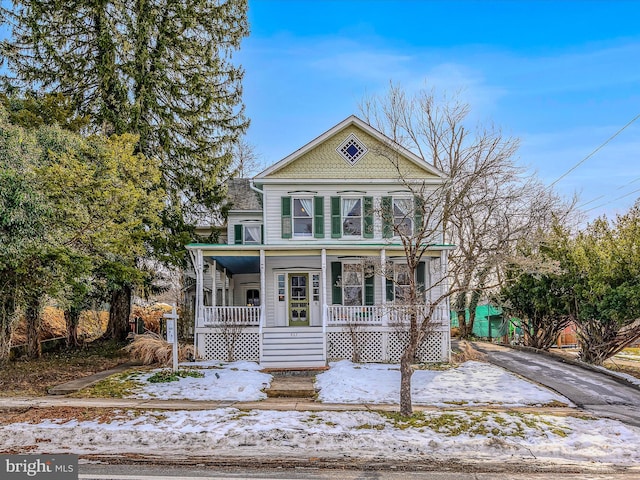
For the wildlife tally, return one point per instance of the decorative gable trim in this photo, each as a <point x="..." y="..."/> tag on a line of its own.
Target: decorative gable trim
<point x="352" y="120"/>
<point x="352" y="149"/>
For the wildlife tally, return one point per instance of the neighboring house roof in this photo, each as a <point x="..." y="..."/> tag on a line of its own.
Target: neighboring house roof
<point x="240" y="195"/>
<point x="349" y="124"/>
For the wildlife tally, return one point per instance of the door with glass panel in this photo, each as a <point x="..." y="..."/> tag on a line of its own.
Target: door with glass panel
<point x="298" y="300"/>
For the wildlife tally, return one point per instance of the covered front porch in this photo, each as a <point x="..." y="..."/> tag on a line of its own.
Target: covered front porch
<point x="275" y="306"/>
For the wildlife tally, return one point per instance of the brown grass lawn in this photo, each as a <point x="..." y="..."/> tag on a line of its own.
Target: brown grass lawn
<point x="34" y="377"/>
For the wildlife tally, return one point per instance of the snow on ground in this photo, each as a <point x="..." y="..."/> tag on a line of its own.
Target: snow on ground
<point x="432" y="435"/>
<point x="239" y="381"/>
<point x="479" y="436"/>
<point x="472" y="383"/>
<point x="469" y="384"/>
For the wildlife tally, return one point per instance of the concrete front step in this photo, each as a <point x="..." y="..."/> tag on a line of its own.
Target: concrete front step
<point x="291" y="387"/>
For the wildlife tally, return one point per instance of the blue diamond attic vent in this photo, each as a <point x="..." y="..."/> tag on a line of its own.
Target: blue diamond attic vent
<point x="352" y="149"/>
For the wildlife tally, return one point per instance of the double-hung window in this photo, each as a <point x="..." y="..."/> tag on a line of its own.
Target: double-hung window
<point x="400" y="215"/>
<point x="402" y="283"/>
<point x="352" y="217"/>
<point x="403" y="215"/>
<point x="302" y="217"/>
<point x="352" y="284"/>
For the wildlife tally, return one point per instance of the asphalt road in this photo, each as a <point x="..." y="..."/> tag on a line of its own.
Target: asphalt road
<point x="595" y="392"/>
<point x="150" y="472"/>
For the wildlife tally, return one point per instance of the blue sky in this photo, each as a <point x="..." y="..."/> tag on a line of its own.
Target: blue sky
<point x="563" y="76"/>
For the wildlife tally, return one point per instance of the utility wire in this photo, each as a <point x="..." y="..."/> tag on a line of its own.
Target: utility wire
<point x="602" y="196"/>
<point x="611" y="201"/>
<point x="594" y="152"/>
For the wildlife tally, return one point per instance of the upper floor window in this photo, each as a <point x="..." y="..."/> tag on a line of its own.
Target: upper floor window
<point x="252" y="234"/>
<point x="352" y="216"/>
<point x="302" y="217"/>
<point x="402" y="215"/>
<point x="248" y="234"/>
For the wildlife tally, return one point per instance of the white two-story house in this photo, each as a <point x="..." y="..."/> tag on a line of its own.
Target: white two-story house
<point x="291" y="287"/>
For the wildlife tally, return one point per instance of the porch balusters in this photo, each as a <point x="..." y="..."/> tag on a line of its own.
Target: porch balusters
<point x="248" y="316"/>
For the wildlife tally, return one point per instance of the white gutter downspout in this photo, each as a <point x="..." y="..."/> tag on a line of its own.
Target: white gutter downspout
<point x="264" y="210"/>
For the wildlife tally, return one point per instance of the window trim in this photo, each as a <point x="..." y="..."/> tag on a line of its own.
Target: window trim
<point x="245" y="226"/>
<point x="343" y="218"/>
<point x="362" y="283"/>
<point x="310" y="217"/>
<point x="408" y="216"/>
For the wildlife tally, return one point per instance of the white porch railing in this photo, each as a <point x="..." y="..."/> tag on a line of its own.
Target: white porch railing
<point x="248" y="316"/>
<point x="387" y="314"/>
<point x="345" y="315"/>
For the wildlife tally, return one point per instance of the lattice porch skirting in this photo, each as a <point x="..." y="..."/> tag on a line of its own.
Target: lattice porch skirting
<point x="377" y="344"/>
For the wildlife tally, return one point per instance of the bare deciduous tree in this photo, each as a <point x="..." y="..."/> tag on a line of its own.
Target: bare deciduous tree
<point x="490" y="203"/>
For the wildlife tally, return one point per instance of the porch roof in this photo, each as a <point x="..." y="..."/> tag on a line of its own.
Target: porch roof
<point x="246" y="258"/>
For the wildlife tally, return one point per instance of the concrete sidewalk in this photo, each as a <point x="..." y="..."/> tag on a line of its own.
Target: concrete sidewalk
<point x="281" y="404"/>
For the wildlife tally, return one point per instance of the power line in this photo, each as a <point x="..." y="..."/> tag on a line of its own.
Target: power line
<point x="603" y="195"/>
<point x="594" y="152"/>
<point x="611" y="201"/>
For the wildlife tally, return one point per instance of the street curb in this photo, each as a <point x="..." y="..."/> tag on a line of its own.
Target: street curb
<point x="613" y="375"/>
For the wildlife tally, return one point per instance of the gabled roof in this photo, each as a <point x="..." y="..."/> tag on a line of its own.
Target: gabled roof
<point x="347" y="122"/>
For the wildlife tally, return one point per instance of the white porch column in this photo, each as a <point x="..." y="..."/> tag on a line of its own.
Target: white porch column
<point x="197" y="261"/>
<point x="323" y="290"/>
<point x="385" y="313"/>
<point x="214" y="285"/>
<point x="444" y="272"/>
<point x="323" y="300"/>
<point x="383" y="286"/>
<point x="263" y="282"/>
<point x="224" y="287"/>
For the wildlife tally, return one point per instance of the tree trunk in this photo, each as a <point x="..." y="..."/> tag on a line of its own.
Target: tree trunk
<point x="7" y="313"/>
<point x="119" y="312"/>
<point x="71" y="320"/>
<point x="34" y="327"/>
<point x="406" y="407"/>
<point x="461" y="304"/>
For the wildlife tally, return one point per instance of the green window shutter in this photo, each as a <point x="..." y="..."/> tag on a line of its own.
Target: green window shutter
<point x="286" y="217"/>
<point x="318" y="215"/>
<point x="418" y="205"/>
<point x="336" y="289"/>
<point x="389" y="290"/>
<point x="368" y="217"/>
<point x="387" y="217"/>
<point x="336" y="218"/>
<point x="368" y="290"/>
<point x="262" y="234"/>
<point x="421" y="276"/>
<point x="237" y="234"/>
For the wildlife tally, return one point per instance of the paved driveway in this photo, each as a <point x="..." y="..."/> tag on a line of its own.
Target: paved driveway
<point x="592" y="391"/>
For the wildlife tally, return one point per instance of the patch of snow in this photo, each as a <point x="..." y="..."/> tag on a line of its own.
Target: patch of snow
<point x="240" y="381"/>
<point x="492" y="436"/>
<point x="471" y="383"/>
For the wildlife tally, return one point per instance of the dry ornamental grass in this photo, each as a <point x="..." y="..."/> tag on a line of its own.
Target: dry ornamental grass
<point x="151" y="348"/>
